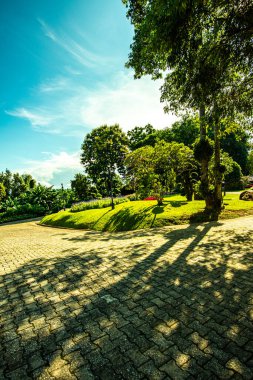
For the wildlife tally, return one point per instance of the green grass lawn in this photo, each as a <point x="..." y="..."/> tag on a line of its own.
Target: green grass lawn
<point x="145" y="214"/>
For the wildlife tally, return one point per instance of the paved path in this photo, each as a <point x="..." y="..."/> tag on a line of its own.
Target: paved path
<point x="173" y="303"/>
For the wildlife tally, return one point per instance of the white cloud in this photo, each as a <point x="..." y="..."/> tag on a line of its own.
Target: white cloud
<point x="45" y="170"/>
<point x="80" y="54"/>
<point x="74" y="109"/>
<point x="128" y="102"/>
<point x="57" y="84"/>
<point x="37" y="118"/>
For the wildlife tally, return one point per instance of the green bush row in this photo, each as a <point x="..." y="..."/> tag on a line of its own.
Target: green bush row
<point x="23" y="209"/>
<point x="97" y="203"/>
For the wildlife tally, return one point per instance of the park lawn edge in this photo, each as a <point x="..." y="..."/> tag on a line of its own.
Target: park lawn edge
<point x="145" y="214"/>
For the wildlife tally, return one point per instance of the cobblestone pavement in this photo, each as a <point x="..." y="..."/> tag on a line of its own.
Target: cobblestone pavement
<point x="170" y="303"/>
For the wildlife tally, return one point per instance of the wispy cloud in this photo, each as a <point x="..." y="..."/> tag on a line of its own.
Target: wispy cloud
<point x="75" y="110"/>
<point x="72" y="71"/>
<point x="45" y="171"/>
<point x="57" y="84"/>
<point x="47" y="31"/>
<point x="37" y="118"/>
<point x="82" y="55"/>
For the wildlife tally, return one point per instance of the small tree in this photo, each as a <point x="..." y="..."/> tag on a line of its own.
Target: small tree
<point x="103" y="153"/>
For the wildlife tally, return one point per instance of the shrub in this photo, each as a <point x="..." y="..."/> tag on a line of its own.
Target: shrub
<point x="102" y="203"/>
<point x="234" y="178"/>
<point x="133" y="197"/>
<point x="34" y="210"/>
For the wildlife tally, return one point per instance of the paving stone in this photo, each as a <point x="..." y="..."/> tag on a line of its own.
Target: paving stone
<point x="18" y="374"/>
<point x="83" y="305"/>
<point x="75" y="360"/>
<point x="136" y="357"/>
<point x="235" y="365"/>
<point x="127" y="371"/>
<point x="156" y="355"/>
<point x="42" y="374"/>
<point x="173" y="371"/>
<point x="217" y="369"/>
<point x="107" y="373"/>
<point x="96" y="360"/>
<point x="151" y="372"/>
<point x="63" y="373"/>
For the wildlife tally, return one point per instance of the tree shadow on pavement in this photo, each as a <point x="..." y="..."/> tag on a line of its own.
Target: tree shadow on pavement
<point x="181" y="309"/>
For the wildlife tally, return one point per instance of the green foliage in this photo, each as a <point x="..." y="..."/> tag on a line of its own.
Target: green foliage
<point x="144" y="214"/>
<point x="153" y="170"/>
<point x="83" y="187"/>
<point x="234" y="178"/>
<point x="197" y="43"/>
<point x="6" y="180"/>
<point x="250" y="163"/>
<point x="186" y="130"/>
<point x="133" y="197"/>
<point x="140" y="170"/>
<point x="16" y="184"/>
<point x="188" y="172"/>
<point x="20" y="211"/>
<point x="203" y="149"/>
<point x="36" y="202"/>
<point x="237" y="149"/>
<point x="206" y="47"/>
<point x="102" y="186"/>
<point x="22" y="198"/>
<point x="183" y="131"/>
<point x="97" y="203"/>
<point x="235" y="141"/>
<point x="141" y="136"/>
<point x="2" y="192"/>
<point x="103" y="153"/>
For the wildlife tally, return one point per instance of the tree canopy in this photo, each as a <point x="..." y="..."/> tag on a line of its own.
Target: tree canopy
<point x="83" y="187"/>
<point x="195" y="42"/>
<point x="154" y="170"/>
<point x="103" y="153"/>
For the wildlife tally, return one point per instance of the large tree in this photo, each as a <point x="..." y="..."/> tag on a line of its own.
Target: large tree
<point x="192" y="41"/>
<point x="103" y="153"/>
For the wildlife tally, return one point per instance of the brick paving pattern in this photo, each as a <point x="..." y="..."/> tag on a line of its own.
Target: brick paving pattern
<point x="170" y="303"/>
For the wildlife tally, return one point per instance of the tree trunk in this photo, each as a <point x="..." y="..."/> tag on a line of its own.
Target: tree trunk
<point x="188" y="189"/>
<point x="202" y="122"/>
<point x="214" y="199"/>
<point x="111" y="189"/>
<point x="217" y="169"/>
<point x="204" y="164"/>
<point x="189" y="194"/>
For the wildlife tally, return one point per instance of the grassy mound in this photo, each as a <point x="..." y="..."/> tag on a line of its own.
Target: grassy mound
<point x="145" y="214"/>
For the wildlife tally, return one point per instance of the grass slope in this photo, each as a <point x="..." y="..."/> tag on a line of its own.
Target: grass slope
<point x="145" y="214"/>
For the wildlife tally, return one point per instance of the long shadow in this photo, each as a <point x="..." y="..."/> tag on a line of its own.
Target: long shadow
<point x="125" y="219"/>
<point x="184" y="310"/>
<point x="177" y="203"/>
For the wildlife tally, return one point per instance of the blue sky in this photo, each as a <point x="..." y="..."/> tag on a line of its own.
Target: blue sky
<point x="62" y="74"/>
